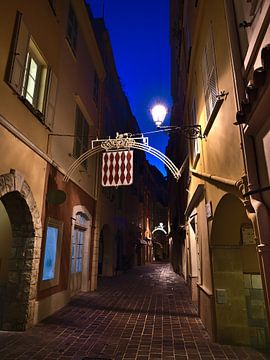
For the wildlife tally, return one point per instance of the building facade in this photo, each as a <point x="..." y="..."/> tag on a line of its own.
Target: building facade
<point x="220" y="253"/>
<point x="50" y="108"/>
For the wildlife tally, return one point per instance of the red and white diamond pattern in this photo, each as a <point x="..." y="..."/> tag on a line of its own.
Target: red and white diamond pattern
<point x="117" y="168"/>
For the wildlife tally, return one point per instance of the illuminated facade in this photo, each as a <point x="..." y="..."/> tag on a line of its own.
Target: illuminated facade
<point x="219" y="255"/>
<point x="52" y="74"/>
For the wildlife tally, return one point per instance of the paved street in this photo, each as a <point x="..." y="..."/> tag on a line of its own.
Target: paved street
<point x="143" y="314"/>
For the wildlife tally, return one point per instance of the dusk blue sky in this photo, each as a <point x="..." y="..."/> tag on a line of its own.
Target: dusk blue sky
<point x="139" y="33"/>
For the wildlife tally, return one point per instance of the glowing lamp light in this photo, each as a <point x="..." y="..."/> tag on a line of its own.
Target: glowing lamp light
<point x="159" y="113"/>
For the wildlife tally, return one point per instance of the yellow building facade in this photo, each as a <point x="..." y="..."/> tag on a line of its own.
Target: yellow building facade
<point x="51" y="87"/>
<point x="219" y="256"/>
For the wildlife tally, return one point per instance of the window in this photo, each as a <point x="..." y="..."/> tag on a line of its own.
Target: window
<point x="72" y="28"/>
<point x="209" y="76"/>
<point x="35" y="76"/>
<point x="96" y="89"/>
<point x="51" y="263"/>
<point x="30" y="76"/>
<point x="77" y="243"/>
<point x="81" y="135"/>
<point x="195" y="142"/>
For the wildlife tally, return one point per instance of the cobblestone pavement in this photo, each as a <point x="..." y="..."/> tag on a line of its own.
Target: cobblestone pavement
<point x="143" y="314"/>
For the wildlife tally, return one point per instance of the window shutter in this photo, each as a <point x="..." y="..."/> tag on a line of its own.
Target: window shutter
<point x="209" y="76"/>
<point x="18" y="54"/>
<point x="51" y="99"/>
<point x="211" y="67"/>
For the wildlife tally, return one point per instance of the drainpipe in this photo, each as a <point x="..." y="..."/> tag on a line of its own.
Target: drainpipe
<point x="216" y="178"/>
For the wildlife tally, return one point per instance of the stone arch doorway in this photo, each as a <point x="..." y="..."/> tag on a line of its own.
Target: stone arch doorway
<point x="239" y="302"/>
<point x="20" y="235"/>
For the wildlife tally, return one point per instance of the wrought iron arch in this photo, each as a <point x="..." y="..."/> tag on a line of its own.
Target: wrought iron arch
<point x="123" y="142"/>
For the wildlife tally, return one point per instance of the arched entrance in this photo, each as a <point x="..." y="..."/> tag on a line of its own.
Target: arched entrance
<point x="160" y="243"/>
<point x="239" y="301"/>
<point x="20" y="240"/>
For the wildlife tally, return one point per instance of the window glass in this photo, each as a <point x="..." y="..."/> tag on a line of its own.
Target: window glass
<point x="81" y="139"/>
<point x="50" y="253"/>
<point x="72" y="29"/>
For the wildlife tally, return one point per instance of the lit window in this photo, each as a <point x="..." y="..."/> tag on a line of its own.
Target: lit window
<point x="29" y="76"/>
<point x="52" y="253"/>
<point x="35" y="78"/>
<point x="81" y="135"/>
<point x="72" y="27"/>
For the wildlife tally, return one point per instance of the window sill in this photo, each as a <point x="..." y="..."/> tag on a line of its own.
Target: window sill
<point x="213" y="116"/>
<point x="38" y="114"/>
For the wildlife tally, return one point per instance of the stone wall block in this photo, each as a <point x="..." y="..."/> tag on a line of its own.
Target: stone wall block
<point x="33" y="292"/>
<point x="28" y="265"/>
<point x="30" y="312"/>
<point x="20" y="252"/>
<point x="25" y="190"/>
<point x="9" y="181"/>
<point x="30" y="243"/>
<point x="37" y="253"/>
<point x="38" y="232"/>
<point x="18" y="179"/>
<point x="29" y="253"/>
<point x="3" y="189"/>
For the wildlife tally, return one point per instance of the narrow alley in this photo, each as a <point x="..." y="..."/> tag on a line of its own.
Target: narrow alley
<point x="145" y="313"/>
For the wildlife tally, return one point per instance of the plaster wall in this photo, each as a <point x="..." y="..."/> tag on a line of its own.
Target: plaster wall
<point x="20" y="157"/>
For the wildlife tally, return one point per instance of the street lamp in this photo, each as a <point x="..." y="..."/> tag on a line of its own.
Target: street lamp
<point x="159" y="112"/>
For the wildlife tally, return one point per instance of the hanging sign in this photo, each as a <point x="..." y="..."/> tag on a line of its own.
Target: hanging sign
<point x="117" y="168"/>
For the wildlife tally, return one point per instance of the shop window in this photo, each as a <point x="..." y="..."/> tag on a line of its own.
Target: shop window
<point x="72" y="29"/>
<point x="30" y="76"/>
<point x="81" y="135"/>
<point x="52" y="253"/>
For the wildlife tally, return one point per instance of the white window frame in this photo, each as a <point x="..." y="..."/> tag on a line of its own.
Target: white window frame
<point x="54" y="223"/>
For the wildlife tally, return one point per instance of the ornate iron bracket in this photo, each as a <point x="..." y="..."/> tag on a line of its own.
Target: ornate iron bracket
<point x="189" y="131"/>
